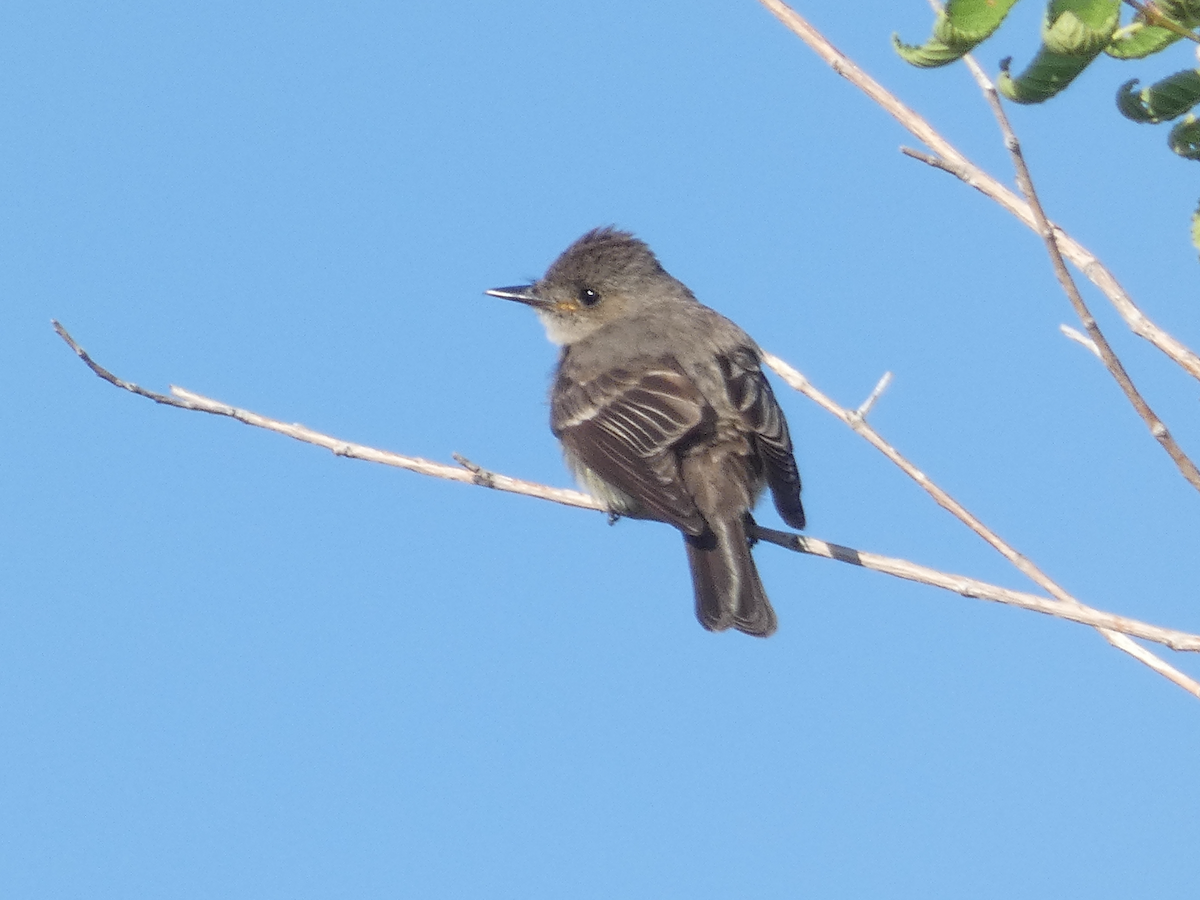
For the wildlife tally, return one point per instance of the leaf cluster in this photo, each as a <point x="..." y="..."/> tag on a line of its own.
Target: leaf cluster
<point x="1074" y="34"/>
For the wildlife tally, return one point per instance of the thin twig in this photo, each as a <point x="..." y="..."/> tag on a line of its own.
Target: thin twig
<point x="947" y="158"/>
<point x="120" y="382"/>
<point x="930" y="160"/>
<point x="482" y="477"/>
<point x="185" y="399"/>
<point x="797" y="381"/>
<point x="1079" y="338"/>
<point x="467" y="472"/>
<point x="1187" y="468"/>
<point x="867" y="404"/>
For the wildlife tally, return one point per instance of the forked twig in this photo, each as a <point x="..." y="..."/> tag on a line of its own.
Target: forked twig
<point x="798" y="382"/>
<point x="1186" y="467"/>
<point x="1064" y="600"/>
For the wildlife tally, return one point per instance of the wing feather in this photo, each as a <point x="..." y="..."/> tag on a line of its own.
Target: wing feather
<point x="751" y="394"/>
<point x="624" y="426"/>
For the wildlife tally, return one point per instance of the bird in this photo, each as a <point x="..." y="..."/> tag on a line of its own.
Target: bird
<point x="663" y="412"/>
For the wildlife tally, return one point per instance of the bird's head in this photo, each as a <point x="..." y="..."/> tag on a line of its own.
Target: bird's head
<point x="605" y="275"/>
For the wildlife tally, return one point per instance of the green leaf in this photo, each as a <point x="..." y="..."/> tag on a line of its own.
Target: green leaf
<point x="1184" y="138"/>
<point x="957" y="30"/>
<point x="1073" y="34"/>
<point x="1163" y="100"/>
<point x="1186" y="12"/>
<point x="1139" y="38"/>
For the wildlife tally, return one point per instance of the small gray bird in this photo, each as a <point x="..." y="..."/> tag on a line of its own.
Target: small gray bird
<point x="664" y="413"/>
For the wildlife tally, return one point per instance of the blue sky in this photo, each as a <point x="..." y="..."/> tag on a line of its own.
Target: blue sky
<point x="233" y="665"/>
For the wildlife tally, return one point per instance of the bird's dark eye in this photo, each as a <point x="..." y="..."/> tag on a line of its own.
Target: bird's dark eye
<point x="588" y="297"/>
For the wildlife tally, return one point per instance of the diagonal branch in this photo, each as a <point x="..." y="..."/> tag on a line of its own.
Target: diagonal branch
<point x="981" y="590"/>
<point x="949" y="159"/>
<point x="859" y="424"/>
<point x="1025" y="180"/>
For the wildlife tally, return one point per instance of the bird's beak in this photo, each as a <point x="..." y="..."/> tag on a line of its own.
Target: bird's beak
<point x="522" y="293"/>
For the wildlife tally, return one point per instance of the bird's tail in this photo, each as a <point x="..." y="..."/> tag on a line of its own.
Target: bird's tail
<point x="729" y="593"/>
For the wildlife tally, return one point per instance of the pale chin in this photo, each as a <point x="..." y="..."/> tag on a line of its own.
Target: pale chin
<point x="560" y="329"/>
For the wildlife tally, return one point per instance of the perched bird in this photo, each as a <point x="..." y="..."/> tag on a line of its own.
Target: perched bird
<point x="664" y="413"/>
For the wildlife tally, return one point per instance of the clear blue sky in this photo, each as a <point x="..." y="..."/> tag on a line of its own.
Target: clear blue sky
<point x="235" y="666"/>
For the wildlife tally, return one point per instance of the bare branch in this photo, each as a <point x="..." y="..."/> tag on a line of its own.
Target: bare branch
<point x="461" y="474"/>
<point x="970" y="587"/>
<point x="944" y="500"/>
<point x="1025" y="180"/>
<point x="1065" y="600"/>
<point x="949" y="159"/>
<point x="185" y="399"/>
<point x="1157" y="663"/>
<point x="467" y="472"/>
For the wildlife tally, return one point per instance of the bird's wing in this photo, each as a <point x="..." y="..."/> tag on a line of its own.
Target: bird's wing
<point x="751" y="395"/>
<point x="624" y="426"/>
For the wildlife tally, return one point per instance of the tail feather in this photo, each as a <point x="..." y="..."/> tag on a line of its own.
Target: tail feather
<point x="729" y="593"/>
